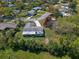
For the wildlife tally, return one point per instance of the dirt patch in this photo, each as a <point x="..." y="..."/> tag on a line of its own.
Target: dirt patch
<point x="46" y="41"/>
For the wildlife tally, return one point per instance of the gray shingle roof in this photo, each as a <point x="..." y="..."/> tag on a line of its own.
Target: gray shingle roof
<point x="44" y="16"/>
<point x="7" y="25"/>
<point x="31" y="26"/>
<point x="34" y="29"/>
<point x="8" y="0"/>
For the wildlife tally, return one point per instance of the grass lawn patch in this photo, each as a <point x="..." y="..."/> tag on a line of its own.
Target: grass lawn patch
<point x="9" y="54"/>
<point x="39" y="13"/>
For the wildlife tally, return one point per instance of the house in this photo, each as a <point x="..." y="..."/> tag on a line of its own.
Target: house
<point x="4" y="26"/>
<point x="37" y="8"/>
<point x="11" y="5"/>
<point x="8" y="17"/>
<point x="65" y="14"/>
<point x="16" y="11"/>
<point x="51" y="1"/>
<point x="49" y="21"/>
<point x="32" y="13"/>
<point x="33" y="28"/>
<point x="29" y="1"/>
<point x="65" y="10"/>
<point x="8" y="0"/>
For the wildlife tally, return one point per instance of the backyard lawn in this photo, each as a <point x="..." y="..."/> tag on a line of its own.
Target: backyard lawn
<point x="9" y="54"/>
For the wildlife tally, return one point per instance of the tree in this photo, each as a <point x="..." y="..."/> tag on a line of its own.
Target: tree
<point x="74" y="49"/>
<point x="10" y="33"/>
<point x="3" y="42"/>
<point x="6" y="11"/>
<point x="73" y="5"/>
<point x="19" y="5"/>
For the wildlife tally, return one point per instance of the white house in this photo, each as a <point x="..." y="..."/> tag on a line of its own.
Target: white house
<point x="33" y="28"/>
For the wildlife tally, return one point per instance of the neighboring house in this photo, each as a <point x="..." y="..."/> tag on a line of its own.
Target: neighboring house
<point x="8" y="0"/>
<point x="16" y="11"/>
<point x="33" y="28"/>
<point x="8" y="17"/>
<point x="29" y="1"/>
<point x="37" y="8"/>
<point x="49" y="21"/>
<point x="11" y="5"/>
<point x="32" y="13"/>
<point x="44" y="16"/>
<point x="46" y="1"/>
<point x="51" y="1"/>
<point x="65" y="14"/>
<point x="4" y="26"/>
<point x="65" y="10"/>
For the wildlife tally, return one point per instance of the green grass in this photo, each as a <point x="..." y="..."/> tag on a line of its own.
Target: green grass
<point x="39" y="13"/>
<point x="22" y="14"/>
<point x="9" y="54"/>
<point x="78" y="6"/>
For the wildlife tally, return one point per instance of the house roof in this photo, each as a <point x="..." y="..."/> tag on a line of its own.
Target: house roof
<point x="37" y="8"/>
<point x="37" y="23"/>
<point x="8" y="0"/>
<point x="65" y="14"/>
<point x="11" y="5"/>
<point x="44" y="16"/>
<point x="31" y="29"/>
<point x="33" y="23"/>
<point x="7" y="25"/>
<point x="33" y="26"/>
<point x="34" y="29"/>
<point x="31" y="11"/>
